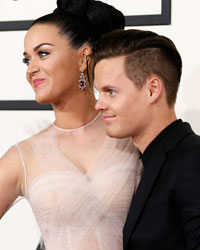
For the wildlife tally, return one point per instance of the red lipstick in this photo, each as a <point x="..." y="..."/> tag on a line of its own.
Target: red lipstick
<point x="37" y="82"/>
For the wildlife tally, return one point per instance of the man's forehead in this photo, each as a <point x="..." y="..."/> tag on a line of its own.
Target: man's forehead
<point x="111" y="67"/>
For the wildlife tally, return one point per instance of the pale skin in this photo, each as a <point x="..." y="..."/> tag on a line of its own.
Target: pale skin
<point x="128" y="110"/>
<point x="53" y="70"/>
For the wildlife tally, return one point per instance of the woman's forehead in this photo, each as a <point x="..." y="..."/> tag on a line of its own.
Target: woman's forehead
<point x="45" y="33"/>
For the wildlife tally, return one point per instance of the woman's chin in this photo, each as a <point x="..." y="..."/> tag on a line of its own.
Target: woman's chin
<point x="42" y="100"/>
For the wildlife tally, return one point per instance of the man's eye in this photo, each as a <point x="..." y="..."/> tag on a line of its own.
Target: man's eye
<point x="26" y="61"/>
<point x="111" y="91"/>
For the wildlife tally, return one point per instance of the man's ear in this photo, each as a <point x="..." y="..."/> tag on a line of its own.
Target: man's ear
<point x="155" y="88"/>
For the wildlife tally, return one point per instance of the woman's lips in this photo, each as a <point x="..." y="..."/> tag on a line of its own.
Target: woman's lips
<point x="37" y="82"/>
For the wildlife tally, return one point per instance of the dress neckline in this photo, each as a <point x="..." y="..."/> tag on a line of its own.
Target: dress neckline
<point x="75" y="129"/>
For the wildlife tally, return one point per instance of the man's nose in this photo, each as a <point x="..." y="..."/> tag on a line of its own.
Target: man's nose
<point x="100" y="105"/>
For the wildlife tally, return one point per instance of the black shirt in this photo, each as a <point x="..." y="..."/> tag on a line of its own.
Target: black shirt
<point x="156" y="142"/>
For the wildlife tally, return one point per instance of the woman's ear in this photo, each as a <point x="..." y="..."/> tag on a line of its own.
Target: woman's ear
<point x="85" y="52"/>
<point x="155" y="88"/>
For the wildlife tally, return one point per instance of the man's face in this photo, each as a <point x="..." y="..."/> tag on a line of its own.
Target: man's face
<point x="124" y="106"/>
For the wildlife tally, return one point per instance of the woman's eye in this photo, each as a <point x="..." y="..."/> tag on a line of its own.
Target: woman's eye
<point x="42" y="54"/>
<point x="26" y="61"/>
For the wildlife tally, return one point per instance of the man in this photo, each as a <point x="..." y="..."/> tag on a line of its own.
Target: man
<point x="137" y="74"/>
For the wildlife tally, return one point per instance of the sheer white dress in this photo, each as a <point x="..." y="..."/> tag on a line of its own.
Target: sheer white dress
<point x="80" y="209"/>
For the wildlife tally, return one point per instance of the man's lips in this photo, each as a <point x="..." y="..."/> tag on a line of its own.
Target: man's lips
<point x="109" y="118"/>
<point x="37" y="82"/>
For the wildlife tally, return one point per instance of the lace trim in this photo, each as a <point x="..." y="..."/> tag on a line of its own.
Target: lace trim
<point x="75" y="129"/>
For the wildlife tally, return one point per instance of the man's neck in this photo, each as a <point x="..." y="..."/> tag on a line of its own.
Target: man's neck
<point x="154" y="127"/>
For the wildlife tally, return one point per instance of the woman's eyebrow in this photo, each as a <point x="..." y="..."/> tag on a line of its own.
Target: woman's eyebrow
<point x="38" y="46"/>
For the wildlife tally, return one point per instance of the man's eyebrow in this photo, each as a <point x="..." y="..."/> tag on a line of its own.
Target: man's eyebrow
<point x="107" y="87"/>
<point x="38" y="46"/>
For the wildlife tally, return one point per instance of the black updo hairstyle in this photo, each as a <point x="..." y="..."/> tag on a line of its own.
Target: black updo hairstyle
<point x="83" y="21"/>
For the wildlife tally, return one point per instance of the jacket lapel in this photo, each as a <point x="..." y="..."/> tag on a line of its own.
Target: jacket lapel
<point x="149" y="177"/>
<point x="140" y="198"/>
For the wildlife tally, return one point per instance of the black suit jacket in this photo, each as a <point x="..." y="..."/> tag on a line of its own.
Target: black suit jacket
<point x="165" y="211"/>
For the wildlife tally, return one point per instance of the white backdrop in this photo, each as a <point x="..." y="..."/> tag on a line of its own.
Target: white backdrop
<point x="18" y="229"/>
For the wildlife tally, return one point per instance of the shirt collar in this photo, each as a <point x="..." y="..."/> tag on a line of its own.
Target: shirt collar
<point x="156" y="141"/>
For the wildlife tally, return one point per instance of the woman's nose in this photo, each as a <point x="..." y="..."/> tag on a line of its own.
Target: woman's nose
<point x="33" y="67"/>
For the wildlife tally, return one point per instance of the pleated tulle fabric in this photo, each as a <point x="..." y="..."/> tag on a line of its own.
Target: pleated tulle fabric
<point x="80" y="184"/>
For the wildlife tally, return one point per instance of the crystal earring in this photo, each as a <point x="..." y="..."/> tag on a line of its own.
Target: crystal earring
<point x="82" y="81"/>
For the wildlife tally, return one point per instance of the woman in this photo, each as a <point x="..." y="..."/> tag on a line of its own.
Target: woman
<point x="78" y="181"/>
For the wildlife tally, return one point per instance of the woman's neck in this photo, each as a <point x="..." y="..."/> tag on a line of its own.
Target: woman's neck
<point x="75" y="112"/>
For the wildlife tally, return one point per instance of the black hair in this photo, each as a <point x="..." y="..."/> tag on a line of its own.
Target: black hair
<point x="83" y="21"/>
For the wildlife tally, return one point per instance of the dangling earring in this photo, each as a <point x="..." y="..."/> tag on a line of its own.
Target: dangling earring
<point x="82" y="81"/>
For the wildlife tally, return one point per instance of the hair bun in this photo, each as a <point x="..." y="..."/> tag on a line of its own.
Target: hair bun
<point x="75" y="7"/>
<point x="98" y="17"/>
<point x="103" y="18"/>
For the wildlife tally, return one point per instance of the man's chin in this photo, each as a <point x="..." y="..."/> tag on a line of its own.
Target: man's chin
<point x="113" y="134"/>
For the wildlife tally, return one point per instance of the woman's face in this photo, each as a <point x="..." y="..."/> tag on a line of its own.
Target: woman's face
<point x="53" y="67"/>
